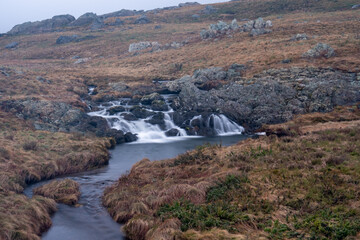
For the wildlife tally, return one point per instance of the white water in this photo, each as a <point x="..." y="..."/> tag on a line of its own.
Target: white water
<point x="150" y="133"/>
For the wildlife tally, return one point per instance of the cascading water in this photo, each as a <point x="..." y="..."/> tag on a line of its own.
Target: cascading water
<point x="148" y="130"/>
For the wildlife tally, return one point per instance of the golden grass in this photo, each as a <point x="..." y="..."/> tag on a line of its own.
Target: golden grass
<point x="62" y="191"/>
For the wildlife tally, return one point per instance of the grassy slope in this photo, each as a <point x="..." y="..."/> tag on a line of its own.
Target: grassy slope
<point x="29" y="156"/>
<point x="304" y="184"/>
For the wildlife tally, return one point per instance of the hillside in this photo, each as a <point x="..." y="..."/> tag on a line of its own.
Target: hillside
<point x="253" y="70"/>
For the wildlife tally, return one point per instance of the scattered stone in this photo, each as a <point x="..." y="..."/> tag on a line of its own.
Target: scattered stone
<point x="82" y="60"/>
<point x="196" y="16"/>
<point x="62" y="191"/>
<point x="355" y="6"/>
<point x="12" y="45"/>
<point x="299" y="37"/>
<point x="142" y="20"/>
<point x="153" y="46"/>
<point x="286" y="61"/>
<point x="43" y="80"/>
<point x="320" y="50"/>
<point x="157" y="27"/>
<point x="136" y="47"/>
<point x="208" y="10"/>
<point x="256" y="32"/>
<point x="116" y="109"/>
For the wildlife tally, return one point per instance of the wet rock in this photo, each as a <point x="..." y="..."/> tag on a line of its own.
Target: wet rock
<point x="129" y="117"/>
<point x="299" y="37"/>
<point x="142" y="20"/>
<point x="140" y="112"/>
<point x="129" y="137"/>
<point x="320" y="50"/>
<point x="116" y="109"/>
<point x="12" y="45"/>
<point x="148" y="99"/>
<point x="172" y="132"/>
<point x="157" y="119"/>
<point x="159" y="105"/>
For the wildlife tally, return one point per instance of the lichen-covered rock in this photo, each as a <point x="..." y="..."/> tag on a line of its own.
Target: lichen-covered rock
<point x="299" y="37"/>
<point x="320" y="50"/>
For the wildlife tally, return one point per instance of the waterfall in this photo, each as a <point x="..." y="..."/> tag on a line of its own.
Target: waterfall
<point x="149" y="131"/>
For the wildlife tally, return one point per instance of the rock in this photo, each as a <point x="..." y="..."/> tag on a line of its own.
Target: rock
<point x="142" y="20"/>
<point x="268" y="24"/>
<point x="355" y="6"/>
<point x="172" y="132"/>
<point x="121" y="13"/>
<point x="136" y="47"/>
<point x="148" y="99"/>
<point x="12" y="45"/>
<point x="116" y="109"/>
<point x="129" y="137"/>
<point x="234" y="25"/>
<point x="43" y="80"/>
<point x="157" y="119"/>
<point x="299" y="37"/>
<point x="82" y="60"/>
<point x="256" y="32"/>
<point x="129" y="117"/>
<point x="48" y="25"/>
<point x="208" y="10"/>
<point x="157" y="27"/>
<point x="188" y="4"/>
<point x="140" y="112"/>
<point x="286" y="61"/>
<point x="320" y="50"/>
<point x="159" y="105"/>
<point x="66" y="39"/>
<point x="85" y="20"/>
<point x="118" y="86"/>
<point x="97" y="24"/>
<point x="259" y="23"/>
<point x="196" y="16"/>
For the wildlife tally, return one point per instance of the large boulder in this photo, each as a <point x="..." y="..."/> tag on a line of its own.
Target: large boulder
<point x="85" y="20"/>
<point x="142" y="20"/>
<point x="320" y="50"/>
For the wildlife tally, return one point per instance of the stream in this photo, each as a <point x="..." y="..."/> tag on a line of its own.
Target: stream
<point x="91" y="221"/>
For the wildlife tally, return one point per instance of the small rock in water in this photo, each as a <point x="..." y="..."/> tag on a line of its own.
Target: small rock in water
<point x="172" y="132"/>
<point x="116" y="109"/>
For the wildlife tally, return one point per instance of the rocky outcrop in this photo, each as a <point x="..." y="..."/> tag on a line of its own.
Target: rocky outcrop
<point x="121" y="13"/>
<point x="186" y="4"/>
<point x="271" y="97"/>
<point x="154" y="46"/>
<point x="48" y="25"/>
<point x="320" y="50"/>
<point x="256" y="27"/>
<point x="59" y="116"/>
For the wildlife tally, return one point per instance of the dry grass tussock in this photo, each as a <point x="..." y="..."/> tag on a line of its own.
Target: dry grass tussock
<point x="277" y="187"/>
<point x="62" y="191"/>
<point x="28" y="156"/>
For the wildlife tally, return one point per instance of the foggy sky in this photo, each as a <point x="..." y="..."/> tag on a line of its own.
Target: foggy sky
<point x="13" y="12"/>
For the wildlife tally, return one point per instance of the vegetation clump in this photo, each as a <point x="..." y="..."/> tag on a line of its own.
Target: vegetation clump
<point x="62" y="191"/>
